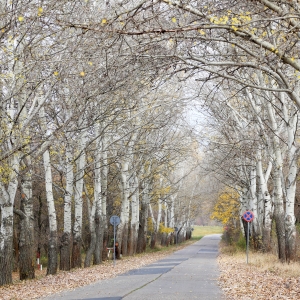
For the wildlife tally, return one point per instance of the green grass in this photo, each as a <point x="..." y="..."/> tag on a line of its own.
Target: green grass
<point x="200" y="231"/>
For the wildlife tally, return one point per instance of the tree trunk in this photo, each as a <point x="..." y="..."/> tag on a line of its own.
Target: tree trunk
<point x="52" y="242"/>
<point x="291" y="182"/>
<point x="76" y="255"/>
<point x="253" y="206"/>
<point x="267" y="205"/>
<point x="65" y="247"/>
<point x="99" y="238"/>
<point x="134" y="216"/>
<point x="153" y="238"/>
<point x="122" y="231"/>
<point x="279" y="214"/>
<point x="26" y="239"/>
<point x="65" y="252"/>
<point x="98" y="199"/>
<point x="7" y="197"/>
<point x="104" y="174"/>
<point x="92" y="246"/>
<point x="52" y="254"/>
<point x="278" y="192"/>
<point x="6" y="244"/>
<point x="143" y="226"/>
<point x="77" y="228"/>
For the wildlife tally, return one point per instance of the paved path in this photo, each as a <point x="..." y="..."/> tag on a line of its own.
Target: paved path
<point x="190" y="273"/>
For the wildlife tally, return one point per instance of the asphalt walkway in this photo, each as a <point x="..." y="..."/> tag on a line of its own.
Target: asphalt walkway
<point x="190" y="273"/>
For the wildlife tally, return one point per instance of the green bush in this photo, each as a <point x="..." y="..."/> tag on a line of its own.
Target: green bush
<point x="44" y="261"/>
<point x="241" y="242"/>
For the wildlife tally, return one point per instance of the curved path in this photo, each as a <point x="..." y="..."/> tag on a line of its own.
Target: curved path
<point x="190" y="273"/>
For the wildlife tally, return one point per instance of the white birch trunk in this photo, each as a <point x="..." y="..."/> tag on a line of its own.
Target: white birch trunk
<point x="142" y="238"/>
<point x="52" y="246"/>
<point x="52" y="242"/>
<point x="291" y="189"/>
<point x="159" y="214"/>
<point x="278" y="193"/>
<point x="26" y="238"/>
<point x="253" y="206"/>
<point x="266" y="201"/>
<point x="7" y="198"/>
<point x="77" y="228"/>
<point x="172" y="211"/>
<point x="104" y="181"/>
<point x="65" y="250"/>
<point x="152" y="216"/>
<point x="98" y="199"/>
<point x="122" y="232"/>
<point x="92" y="246"/>
<point x="134" y="223"/>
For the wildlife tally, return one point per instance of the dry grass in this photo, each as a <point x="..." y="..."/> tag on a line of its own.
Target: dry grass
<point x="269" y="262"/>
<point x="265" y="262"/>
<point x="264" y="277"/>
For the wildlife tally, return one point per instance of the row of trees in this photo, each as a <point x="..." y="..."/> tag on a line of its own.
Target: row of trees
<point x="243" y="55"/>
<point x="94" y="94"/>
<point x="88" y="130"/>
<point x="249" y="84"/>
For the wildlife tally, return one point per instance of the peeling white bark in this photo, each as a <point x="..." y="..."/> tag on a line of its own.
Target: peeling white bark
<point x="69" y="190"/>
<point x="79" y="178"/>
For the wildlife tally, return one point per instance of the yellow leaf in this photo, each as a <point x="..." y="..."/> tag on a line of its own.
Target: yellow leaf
<point x="103" y="21"/>
<point x="90" y="63"/>
<point x="174" y="20"/>
<point x="55" y="73"/>
<point x="82" y="73"/>
<point x="40" y="11"/>
<point x="201" y="31"/>
<point x="20" y="18"/>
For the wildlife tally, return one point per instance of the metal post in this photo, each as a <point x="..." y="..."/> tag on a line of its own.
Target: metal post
<point x="114" y="244"/>
<point x="248" y="229"/>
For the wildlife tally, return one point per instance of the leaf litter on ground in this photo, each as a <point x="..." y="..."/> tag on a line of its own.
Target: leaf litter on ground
<point x="264" y="277"/>
<point x="44" y="286"/>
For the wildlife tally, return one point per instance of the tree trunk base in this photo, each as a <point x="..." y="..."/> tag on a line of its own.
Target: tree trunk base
<point x="65" y="252"/>
<point x="76" y="255"/>
<point x="6" y="264"/>
<point x="52" y="254"/>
